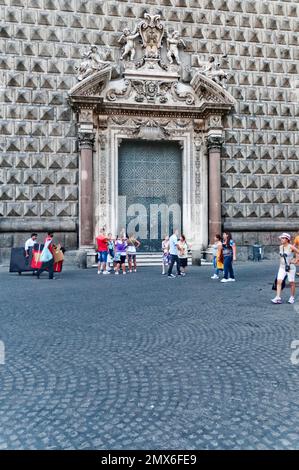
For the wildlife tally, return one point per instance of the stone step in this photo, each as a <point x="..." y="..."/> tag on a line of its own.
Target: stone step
<point x="143" y="259"/>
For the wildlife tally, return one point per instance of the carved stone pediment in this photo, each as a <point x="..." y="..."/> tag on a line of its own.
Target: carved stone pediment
<point x="209" y="91"/>
<point x="149" y="82"/>
<point x="151" y="88"/>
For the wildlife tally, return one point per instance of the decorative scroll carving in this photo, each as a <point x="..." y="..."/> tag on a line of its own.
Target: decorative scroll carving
<point x="182" y="94"/>
<point x="151" y="129"/>
<point x="123" y="89"/>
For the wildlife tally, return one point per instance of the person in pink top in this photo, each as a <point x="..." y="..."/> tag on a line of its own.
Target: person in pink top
<point x="102" y="246"/>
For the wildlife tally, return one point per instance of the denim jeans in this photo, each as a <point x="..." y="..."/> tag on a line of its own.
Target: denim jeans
<point x="174" y="259"/>
<point x="48" y="266"/>
<point x="228" y="267"/>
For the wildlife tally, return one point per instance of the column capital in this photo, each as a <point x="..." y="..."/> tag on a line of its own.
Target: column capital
<point x="215" y="142"/>
<point x="86" y="140"/>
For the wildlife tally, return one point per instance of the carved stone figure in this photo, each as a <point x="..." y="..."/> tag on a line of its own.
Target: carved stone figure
<point x="151" y="31"/>
<point x="173" y="42"/>
<point x="92" y="62"/>
<point x="129" y="49"/>
<point x="211" y="69"/>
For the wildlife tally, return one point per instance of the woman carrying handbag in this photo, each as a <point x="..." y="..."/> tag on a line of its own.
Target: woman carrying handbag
<point x="47" y="257"/>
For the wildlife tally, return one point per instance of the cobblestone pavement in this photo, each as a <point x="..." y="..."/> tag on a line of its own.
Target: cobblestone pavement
<point x="146" y="362"/>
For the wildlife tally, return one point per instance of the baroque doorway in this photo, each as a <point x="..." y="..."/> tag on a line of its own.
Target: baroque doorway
<point x="150" y="190"/>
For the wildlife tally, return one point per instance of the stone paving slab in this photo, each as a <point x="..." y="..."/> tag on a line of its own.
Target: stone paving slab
<point x="146" y="362"/>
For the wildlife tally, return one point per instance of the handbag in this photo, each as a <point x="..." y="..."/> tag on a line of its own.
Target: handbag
<point x="220" y="261"/>
<point x="283" y="284"/>
<point x="46" y="254"/>
<point x="58" y="254"/>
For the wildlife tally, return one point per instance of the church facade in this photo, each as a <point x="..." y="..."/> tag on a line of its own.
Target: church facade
<point x="147" y="117"/>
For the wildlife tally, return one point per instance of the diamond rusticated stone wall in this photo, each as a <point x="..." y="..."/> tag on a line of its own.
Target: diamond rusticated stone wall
<point x="41" y="41"/>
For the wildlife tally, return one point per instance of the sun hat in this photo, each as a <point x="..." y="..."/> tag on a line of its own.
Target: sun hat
<point x="285" y="235"/>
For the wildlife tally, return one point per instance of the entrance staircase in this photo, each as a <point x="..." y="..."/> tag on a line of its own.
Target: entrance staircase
<point x="143" y="259"/>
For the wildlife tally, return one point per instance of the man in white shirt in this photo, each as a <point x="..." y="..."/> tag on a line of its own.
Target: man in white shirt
<point x="173" y="251"/>
<point x="30" y="243"/>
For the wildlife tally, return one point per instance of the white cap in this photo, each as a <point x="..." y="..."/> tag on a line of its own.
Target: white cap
<point x="285" y="235"/>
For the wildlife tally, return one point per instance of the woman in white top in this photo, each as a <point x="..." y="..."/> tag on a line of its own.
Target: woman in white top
<point x="288" y="258"/>
<point x="133" y="244"/>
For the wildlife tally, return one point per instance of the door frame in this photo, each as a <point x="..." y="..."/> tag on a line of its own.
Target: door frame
<point x="194" y="202"/>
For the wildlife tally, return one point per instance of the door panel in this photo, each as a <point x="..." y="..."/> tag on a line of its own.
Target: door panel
<point x="150" y="179"/>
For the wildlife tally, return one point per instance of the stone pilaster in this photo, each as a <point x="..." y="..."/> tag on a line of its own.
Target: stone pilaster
<point x="86" y="219"/>
<point x="214" y="150"/>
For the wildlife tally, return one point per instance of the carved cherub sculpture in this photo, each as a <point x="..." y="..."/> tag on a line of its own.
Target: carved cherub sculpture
<point x="173" y="42"/>
<point x="129" y="49"/>
<point x="212" y="70"/>
<point x="92" y="63"/>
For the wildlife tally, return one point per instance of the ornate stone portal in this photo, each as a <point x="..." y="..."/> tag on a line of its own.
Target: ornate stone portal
<point x="148" y="101"/>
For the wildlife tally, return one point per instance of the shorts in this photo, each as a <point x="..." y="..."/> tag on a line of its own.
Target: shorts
<point x="291" y="274"/>
<point x="166" y="258"/>
<point x="183" y="262"/>
<point x="120" y="259"/>
<point x="102" y="256"/>
<point x="132" y="256"/>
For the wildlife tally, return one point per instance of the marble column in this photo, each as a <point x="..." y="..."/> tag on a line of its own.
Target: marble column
<point x="86" y="214"/>
<point x="214" y="149"/>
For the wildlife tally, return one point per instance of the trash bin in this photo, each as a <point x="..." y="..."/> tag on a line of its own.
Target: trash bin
<point x="257" y="252"/>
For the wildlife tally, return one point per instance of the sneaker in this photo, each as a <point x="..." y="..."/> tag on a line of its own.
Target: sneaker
<point x="130" y="271"/>
<point x="99" y="272"/>
<point x="124" y="272"/>
<point x="231" y="279"/>
<point x="224" y="280"/>
<point x="183" y="274"/>
<point x="106" y="272"/>
<point x="215" y="276"/>
<point x="135" y="270"/>
<point x="291" y="300"/>
<point x="171" y="276"/>
<point x="116" y="273"/>
<point x="276" y="300"/>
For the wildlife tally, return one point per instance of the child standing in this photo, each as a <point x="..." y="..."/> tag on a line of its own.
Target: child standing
<point x="216" y="250"/>
<point x="110" y="252"/>
<point x="120" y="254"/>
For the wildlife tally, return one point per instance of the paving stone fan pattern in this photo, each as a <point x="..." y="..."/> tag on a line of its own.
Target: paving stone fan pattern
<point x="41" y="42"/>
<point x="146" y="362"/>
